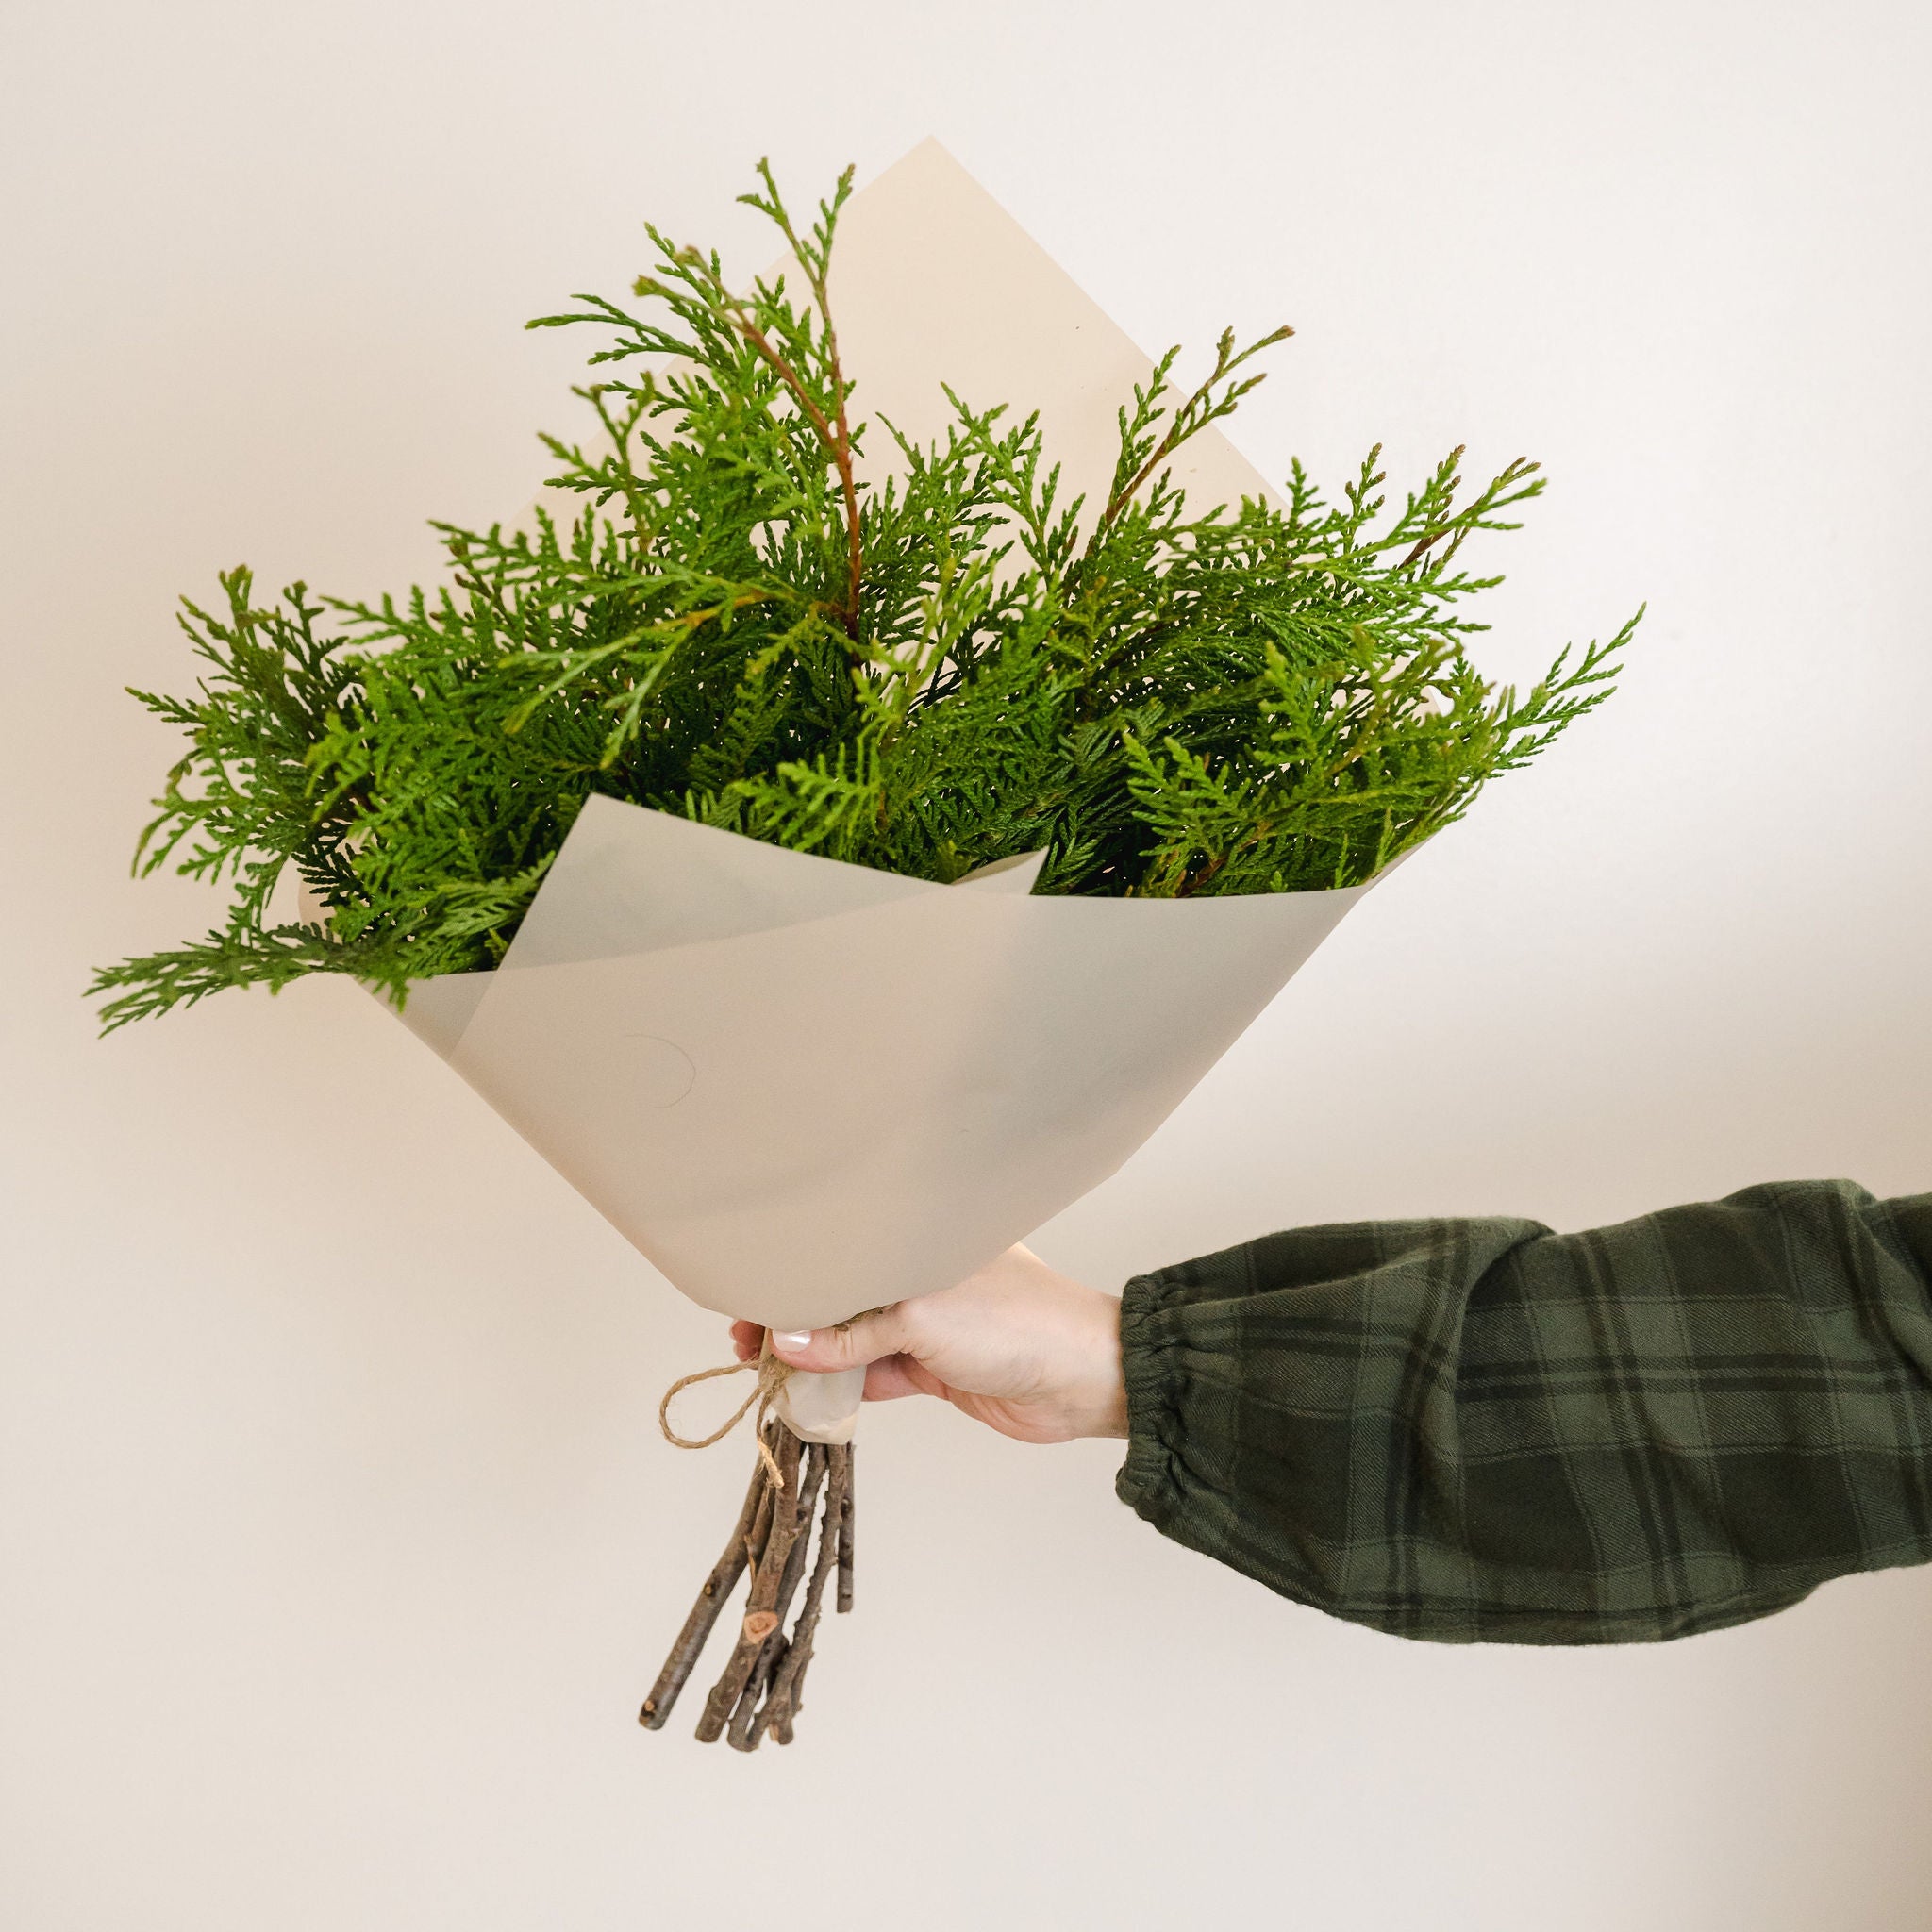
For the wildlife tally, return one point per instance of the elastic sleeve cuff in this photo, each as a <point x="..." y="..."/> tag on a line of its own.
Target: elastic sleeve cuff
<point x="1178" y="1468"/>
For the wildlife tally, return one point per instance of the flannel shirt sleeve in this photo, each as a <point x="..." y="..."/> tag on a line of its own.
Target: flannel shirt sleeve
<point x="1477" y="1430"/>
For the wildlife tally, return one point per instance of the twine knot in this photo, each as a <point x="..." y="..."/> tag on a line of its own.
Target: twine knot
<point x="772" y="1374"/>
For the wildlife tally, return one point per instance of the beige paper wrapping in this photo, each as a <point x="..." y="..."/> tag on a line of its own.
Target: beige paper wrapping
<point x="805" y="1089"/>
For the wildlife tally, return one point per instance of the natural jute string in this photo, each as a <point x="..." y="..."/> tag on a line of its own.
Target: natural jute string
<point x="771" y="1374"/>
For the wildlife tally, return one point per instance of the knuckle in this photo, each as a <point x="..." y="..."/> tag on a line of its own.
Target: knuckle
<point x="863" y="1338"/>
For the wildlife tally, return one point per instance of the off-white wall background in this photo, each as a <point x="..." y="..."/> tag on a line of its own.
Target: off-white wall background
<point x="339" y="1541"/>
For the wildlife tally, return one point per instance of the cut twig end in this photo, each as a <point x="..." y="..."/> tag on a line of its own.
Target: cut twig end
<point x="758" y="1625"/>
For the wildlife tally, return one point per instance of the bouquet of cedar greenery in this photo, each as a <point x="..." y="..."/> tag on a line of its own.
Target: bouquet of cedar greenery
<point x="744" y="628"/>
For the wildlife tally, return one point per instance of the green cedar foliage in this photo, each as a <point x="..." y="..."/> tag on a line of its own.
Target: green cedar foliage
<point x="921" y="675"/>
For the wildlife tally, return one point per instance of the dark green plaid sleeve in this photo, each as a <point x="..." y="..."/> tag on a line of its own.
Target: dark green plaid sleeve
<point x="1482" y="1431"/>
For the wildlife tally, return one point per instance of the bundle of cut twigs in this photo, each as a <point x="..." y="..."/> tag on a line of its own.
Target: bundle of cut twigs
<point x="796" y="1487"/>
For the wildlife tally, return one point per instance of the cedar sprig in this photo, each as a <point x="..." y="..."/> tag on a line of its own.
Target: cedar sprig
<point x="925" y="674"/>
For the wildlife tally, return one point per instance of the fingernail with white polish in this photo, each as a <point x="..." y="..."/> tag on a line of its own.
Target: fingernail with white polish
<point x="793" y="1339"/>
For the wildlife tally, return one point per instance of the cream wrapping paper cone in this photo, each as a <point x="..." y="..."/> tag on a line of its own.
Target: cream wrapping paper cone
<point x="805" y="1089"/>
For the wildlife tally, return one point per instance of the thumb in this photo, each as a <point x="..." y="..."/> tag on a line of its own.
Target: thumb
<point x="852" y="1343"/>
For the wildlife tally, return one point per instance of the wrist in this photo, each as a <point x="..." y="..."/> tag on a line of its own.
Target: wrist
<point x="1072" y="1337"/>
<point x="1103" y="1392"/>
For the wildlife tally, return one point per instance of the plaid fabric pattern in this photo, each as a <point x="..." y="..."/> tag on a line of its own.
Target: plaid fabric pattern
<point x="1482" y="1431"/>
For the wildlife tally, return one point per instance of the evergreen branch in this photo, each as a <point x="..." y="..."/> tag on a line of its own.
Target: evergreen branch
<point x="924" y="676"/>
<point x="189" y="974"/>
<point x="816" y="259"/>
<point x="1195" y="415"/>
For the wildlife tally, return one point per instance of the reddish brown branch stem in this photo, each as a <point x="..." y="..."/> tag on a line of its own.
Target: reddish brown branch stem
<point x="836" y="438"/>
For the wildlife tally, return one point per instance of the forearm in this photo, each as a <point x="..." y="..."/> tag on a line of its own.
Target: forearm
<point x="1479" y="1430"/>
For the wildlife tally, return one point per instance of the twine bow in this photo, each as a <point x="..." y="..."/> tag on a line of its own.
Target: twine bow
<point x="772" y="1374"/>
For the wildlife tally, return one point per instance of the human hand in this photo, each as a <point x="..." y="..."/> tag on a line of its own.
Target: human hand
<point x="1016" y="1345"/>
